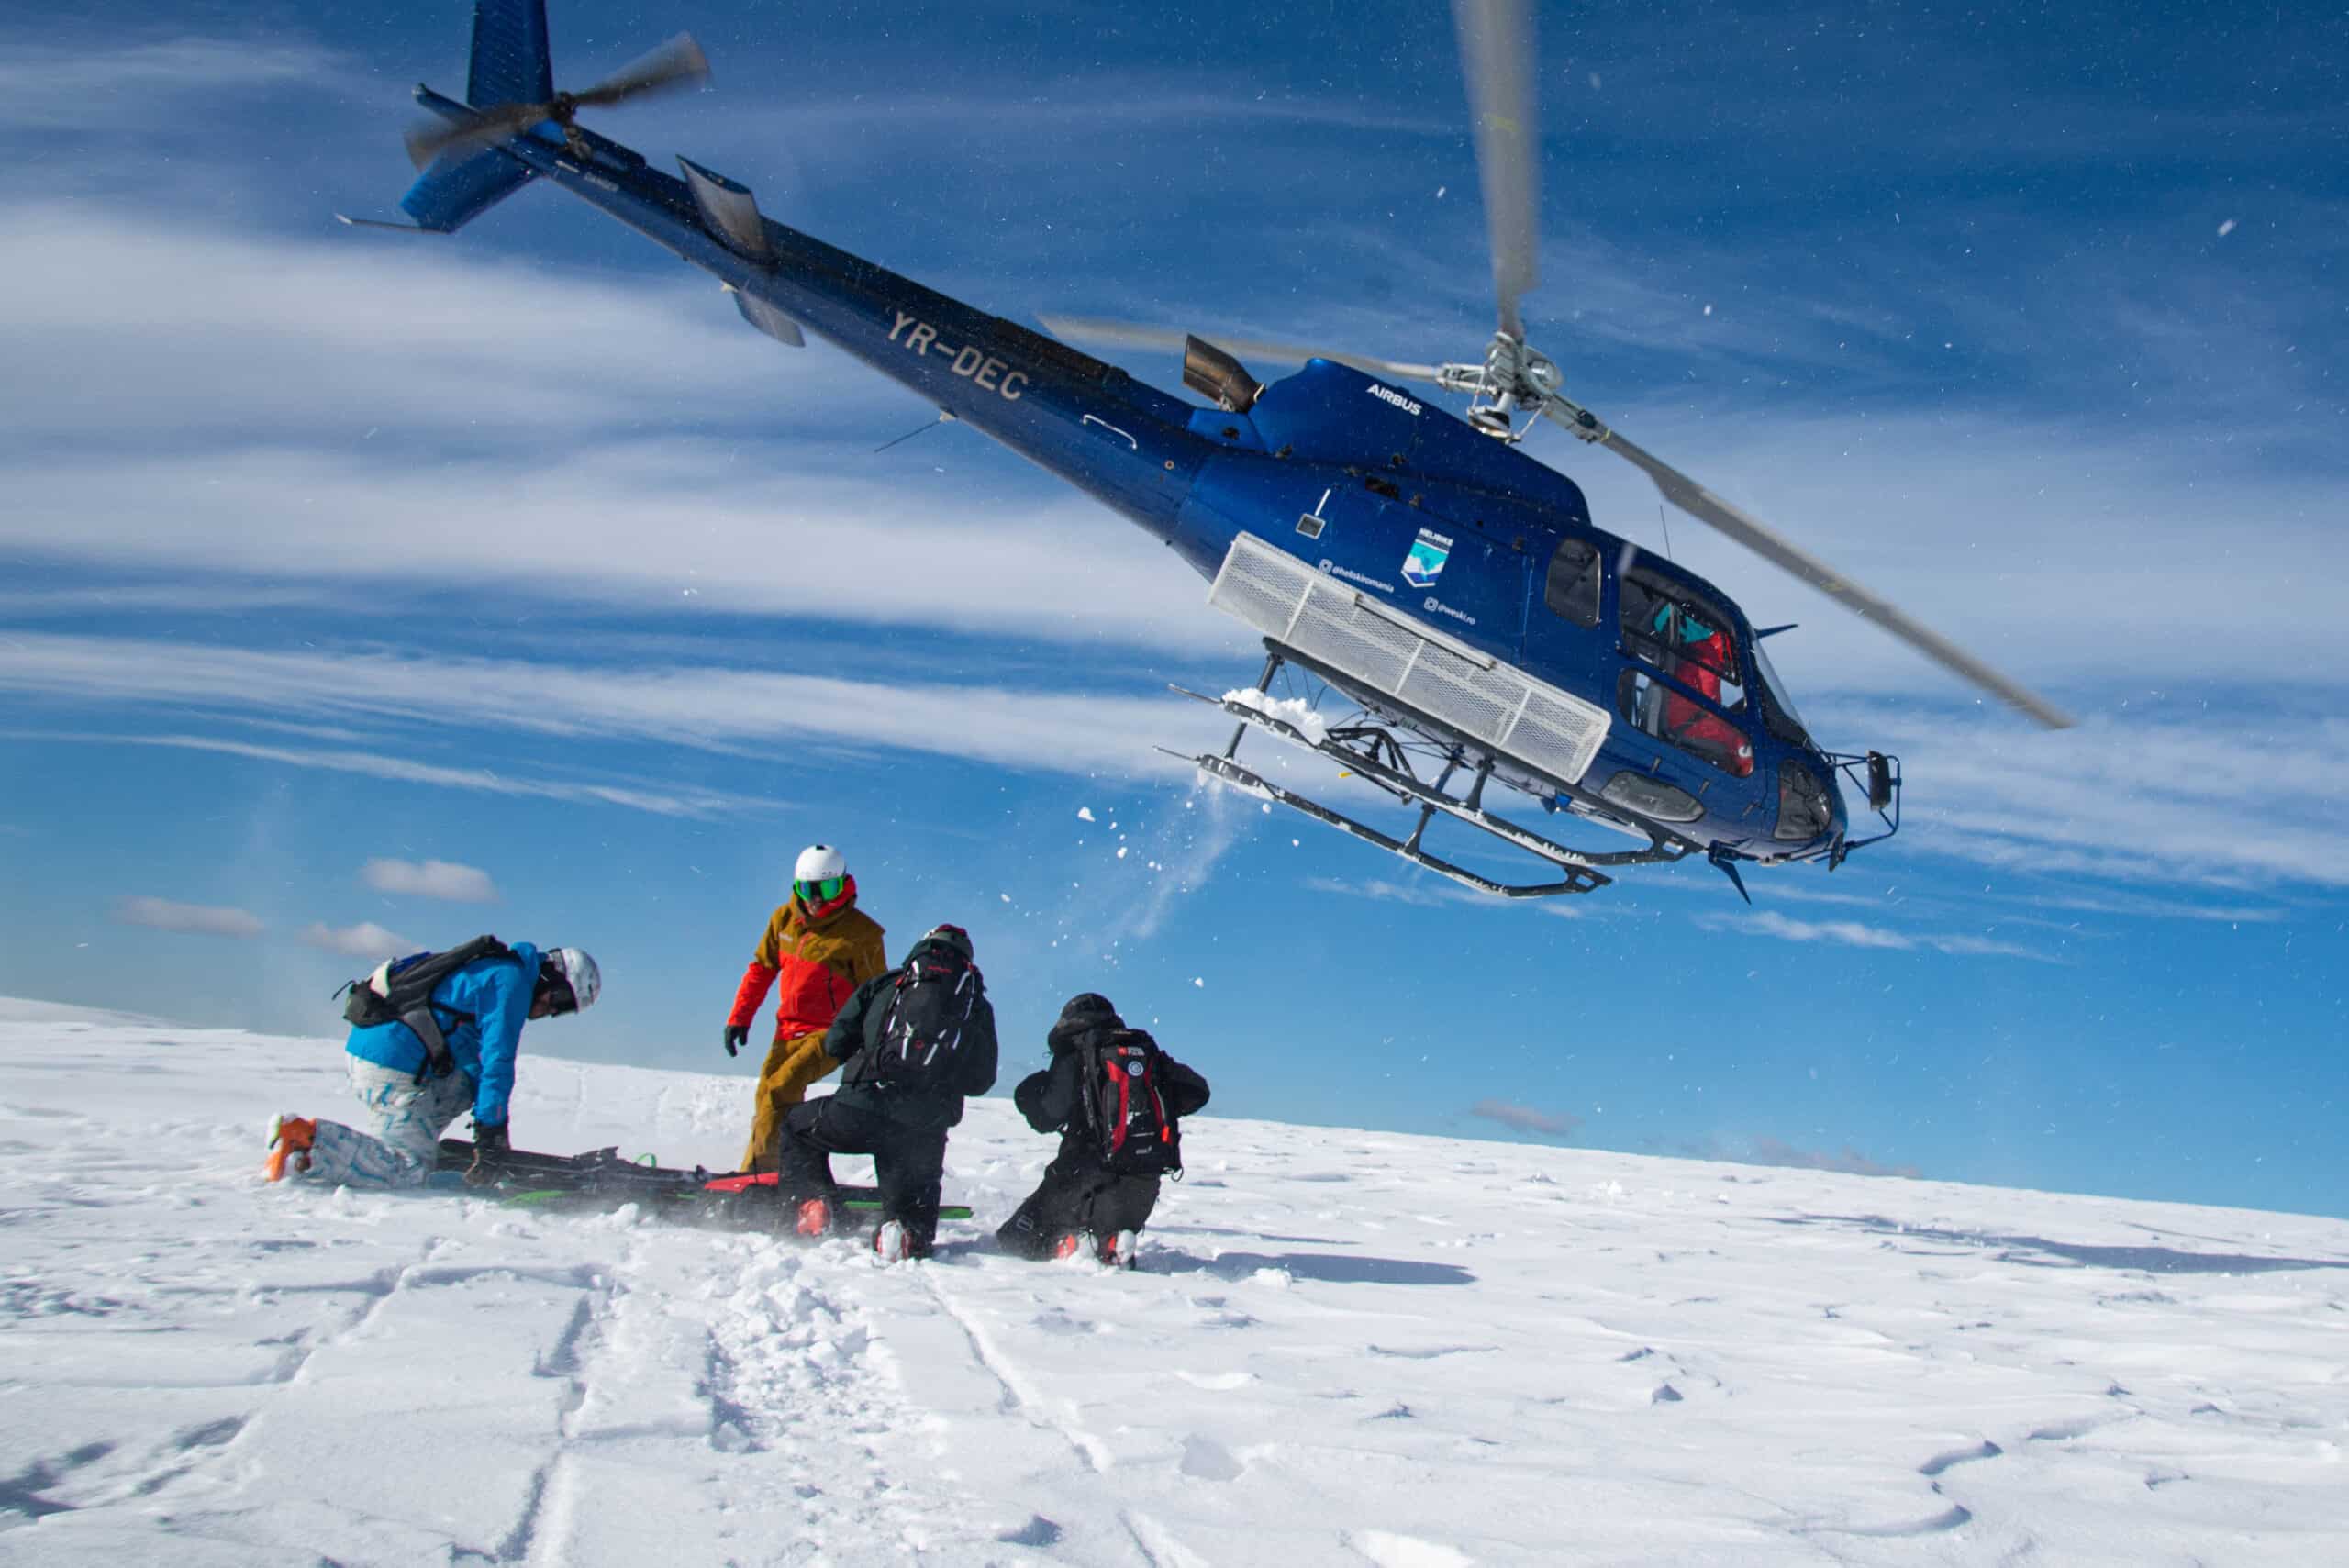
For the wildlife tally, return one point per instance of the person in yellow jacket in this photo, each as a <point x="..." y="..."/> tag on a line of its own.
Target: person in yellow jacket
<point x="820" y="947"/>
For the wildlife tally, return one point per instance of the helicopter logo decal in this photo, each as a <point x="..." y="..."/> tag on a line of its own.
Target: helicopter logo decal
<point x="1388" y="395"/>
<point x="1424" y="564"/>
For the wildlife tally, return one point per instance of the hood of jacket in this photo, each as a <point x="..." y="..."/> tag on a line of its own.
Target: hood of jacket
<point x="1086" y="1019"/>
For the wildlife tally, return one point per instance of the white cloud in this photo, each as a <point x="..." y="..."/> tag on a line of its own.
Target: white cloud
<point x="685" y="502"/>
<point x="46" y="87"/>
<point x="205" y="919"/>
<point x="366" y="940"/>
<point x="2233" y="795"/>
<point x="1858" y="934"/>
<point x="680" y="802"/>
<point x="430" y="879"/>
<point x="704" y="707"/>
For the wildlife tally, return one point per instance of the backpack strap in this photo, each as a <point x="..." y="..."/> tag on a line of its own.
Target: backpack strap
<point x="439" y="1061"/>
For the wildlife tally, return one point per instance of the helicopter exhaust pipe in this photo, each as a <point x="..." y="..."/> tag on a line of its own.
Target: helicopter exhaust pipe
<point x="1211" y="372"/>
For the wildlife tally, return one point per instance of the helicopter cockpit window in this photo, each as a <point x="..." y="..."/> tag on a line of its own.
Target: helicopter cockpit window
<point x="1572" y="590"/>
<point x="1684" y="636"/>
<point x="1779" y="709"/>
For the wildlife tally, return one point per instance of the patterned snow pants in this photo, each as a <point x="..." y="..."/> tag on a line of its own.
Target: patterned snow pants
<point x="405" y="1120"/>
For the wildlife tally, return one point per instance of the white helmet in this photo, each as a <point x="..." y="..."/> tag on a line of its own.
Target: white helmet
<point x="818" y="862"/>
<point x="578" y="972"/>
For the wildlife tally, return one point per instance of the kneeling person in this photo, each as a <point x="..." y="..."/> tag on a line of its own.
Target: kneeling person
<point x="1117" y="1100"/>
<point x="913" y="1042"/>
<point x="451" y="1050"/>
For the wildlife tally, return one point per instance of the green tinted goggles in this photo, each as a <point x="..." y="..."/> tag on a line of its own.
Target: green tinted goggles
<point x="820" y="892"/>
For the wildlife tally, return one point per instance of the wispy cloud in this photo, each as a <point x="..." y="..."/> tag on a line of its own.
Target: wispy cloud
<point x="1859" y="934"/>
<point x="683" y="801"/>
<point x="430" y="879"/>
<point x="1431" y="891"/>
<point x="366" y="940"/>
<point x="205" y="920"/>
<point x="2233" y="794"/>
<point x="44" y="86"/>
<point x="1525" y="1118"/>
<point x="2144" y="906"/>
<point x="672" y="509"/>
<point x="700" y="707"/>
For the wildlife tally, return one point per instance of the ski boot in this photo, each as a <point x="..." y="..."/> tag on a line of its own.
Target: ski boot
<point x="1118" y="1251"/>
<point x="1070" y="1244"/>
<point x="289" y="1139"/>
<point x="815" y="1218"/>
<point x="889" y="1243"/>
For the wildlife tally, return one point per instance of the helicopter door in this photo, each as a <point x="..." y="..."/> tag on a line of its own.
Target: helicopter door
<point x="1567" y="589"/>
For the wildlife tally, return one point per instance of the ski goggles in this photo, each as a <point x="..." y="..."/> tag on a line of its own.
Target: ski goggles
<point x="555" y="991"/>
<point x="822" y="891"/>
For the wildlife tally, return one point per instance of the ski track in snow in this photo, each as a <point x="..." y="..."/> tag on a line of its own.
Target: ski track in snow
<point x="1342" y="1348"/>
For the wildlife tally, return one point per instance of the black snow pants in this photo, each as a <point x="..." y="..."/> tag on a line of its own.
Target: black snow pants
<point x="908" y="1158"/>
<point x="1077" y="1196"/>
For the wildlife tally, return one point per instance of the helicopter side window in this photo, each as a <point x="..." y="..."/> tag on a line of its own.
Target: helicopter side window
<point x="1681" y="634"/>
<point x="1572" y="590"/>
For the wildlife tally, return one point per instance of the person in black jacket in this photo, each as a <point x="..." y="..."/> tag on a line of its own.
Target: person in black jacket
<point x="1083" y="1202"/>
<point x="913" y="1042"/>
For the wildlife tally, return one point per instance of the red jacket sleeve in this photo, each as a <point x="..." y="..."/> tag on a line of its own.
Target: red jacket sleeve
<point x="756" y="980"/>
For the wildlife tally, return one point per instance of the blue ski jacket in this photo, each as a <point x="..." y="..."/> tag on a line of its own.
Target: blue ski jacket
<point x="482" y="1008"/>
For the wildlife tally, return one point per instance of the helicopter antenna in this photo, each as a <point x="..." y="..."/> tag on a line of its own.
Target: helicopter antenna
<point x="944" y="418"/>
<point x="1662" y="517"/>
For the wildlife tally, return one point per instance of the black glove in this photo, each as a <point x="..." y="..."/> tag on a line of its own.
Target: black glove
<point x="736" y="1037"/>
<point x="490" y="1150"/>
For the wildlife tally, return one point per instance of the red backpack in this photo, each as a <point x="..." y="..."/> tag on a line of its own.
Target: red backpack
<point x="1125" y="1107"/>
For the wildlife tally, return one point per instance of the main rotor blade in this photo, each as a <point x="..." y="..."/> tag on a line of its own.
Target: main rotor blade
<point x="430" y="139"/>
<point x="677" y="63"/>
<point x="1750" y="531"/>
<point x="1125" y="334"/>
<point x="1496" y="52"/>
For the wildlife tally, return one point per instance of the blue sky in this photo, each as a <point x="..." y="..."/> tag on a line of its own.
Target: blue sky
<point x="329" y="555"/>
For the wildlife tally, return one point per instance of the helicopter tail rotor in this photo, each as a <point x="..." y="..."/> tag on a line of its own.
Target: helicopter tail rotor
<point x="677" y="64"/>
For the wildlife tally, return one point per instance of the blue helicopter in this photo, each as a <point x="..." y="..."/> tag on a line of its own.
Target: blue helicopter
<point x="1454" y="592"/>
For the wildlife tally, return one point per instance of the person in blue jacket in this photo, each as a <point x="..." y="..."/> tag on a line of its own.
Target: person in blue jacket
<point x="481" y="1009"/>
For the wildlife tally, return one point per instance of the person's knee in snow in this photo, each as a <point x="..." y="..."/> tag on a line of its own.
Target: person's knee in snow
<point x="1116" y="1099"/>
<point x="914" y="1042"/>
<point x="449" y="1047"/>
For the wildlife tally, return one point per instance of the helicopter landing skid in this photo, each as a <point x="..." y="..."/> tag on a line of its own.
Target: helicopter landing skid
<point x="1579" y="866"/>
<point x="1579" y="879"/>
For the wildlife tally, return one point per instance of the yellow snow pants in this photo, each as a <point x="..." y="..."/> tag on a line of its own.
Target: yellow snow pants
<point x="792" y="1067"/>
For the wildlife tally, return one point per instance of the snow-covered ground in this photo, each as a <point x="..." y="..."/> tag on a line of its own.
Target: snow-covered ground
<point x="1342" y="1348"/>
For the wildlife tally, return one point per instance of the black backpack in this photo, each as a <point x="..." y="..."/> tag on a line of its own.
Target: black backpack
<point x="400" y="991"/>
<point x="1125" y="1105"/>
<point x="922" y="1027"/>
